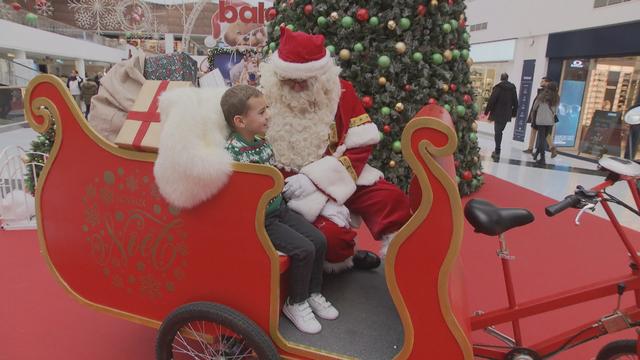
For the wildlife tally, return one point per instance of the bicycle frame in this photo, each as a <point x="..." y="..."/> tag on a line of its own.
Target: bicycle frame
<point x="585" y="332"/>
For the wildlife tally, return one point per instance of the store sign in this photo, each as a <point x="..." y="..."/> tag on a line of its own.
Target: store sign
<point x="245" y="13"/>
<point x="237" y="23"/>
<point x="577" y="64"/>
<point x="524" y="98"/>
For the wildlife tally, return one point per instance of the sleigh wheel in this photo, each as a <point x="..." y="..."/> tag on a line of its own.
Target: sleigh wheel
<point x="207" y="331"/>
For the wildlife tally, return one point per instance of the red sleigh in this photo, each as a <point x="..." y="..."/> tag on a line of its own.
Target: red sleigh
<point x="117" y="246"/>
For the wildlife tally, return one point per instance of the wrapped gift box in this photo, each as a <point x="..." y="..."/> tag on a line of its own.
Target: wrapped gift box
<point x="141" y="129"/>
<point x="175" y="67"/>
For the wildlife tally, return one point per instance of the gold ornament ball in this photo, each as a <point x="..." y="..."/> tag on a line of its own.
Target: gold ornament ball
<point x="469" y="61"/>
<point x="399" y="107"/>
<point x="445" y="87"/>
<point x="474" y="126"/>
<point x="401" y="47"/>
<point x="391" y="25"/>
<point x="434" y="2"/>
<point x="334" y="16"/>
<point x="382" y="81"/>
<point x="344" y="54"/>
<point x="392" y="164"/>
<point x="448" y="55"/>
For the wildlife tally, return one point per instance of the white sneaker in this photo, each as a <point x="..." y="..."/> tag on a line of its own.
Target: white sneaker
<point x="302" y="317"/>
<point x="322" y="307"/>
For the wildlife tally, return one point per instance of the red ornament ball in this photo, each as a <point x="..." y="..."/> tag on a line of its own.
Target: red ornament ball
<point x="422" y="10"/>
<point x="467" y="175"/>
<point x="308" y="9"/>
<point x="467" y="99"/>
<point x="271" y="14"/>
<point x="431" y="101"/>
<point x="462" y="24"/>
<point x="367" y="102"/>
<point x="362" y="15"/>
<point x="456" y="163"/>
<point x="386" y="129"/>
<point x="450" y="2"/>
<point x="16" y="6"/>
<point x="453" y="87"/>
<point x="408" y="88"/>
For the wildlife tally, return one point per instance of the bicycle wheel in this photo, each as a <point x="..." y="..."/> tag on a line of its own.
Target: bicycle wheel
<point x="619" y="349"/>
<point x="207" y="331"/>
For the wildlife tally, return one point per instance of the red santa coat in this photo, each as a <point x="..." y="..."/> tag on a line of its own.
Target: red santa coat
<point x="344" y="176"/>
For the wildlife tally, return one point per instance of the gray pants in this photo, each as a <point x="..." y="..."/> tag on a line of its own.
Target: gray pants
<point x="305" y="245"/>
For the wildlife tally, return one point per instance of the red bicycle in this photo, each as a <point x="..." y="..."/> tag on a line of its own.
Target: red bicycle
<point x="491" y="220"/>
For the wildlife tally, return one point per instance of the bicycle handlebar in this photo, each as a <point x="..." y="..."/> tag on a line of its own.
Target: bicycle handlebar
<point x="555" y="209"/>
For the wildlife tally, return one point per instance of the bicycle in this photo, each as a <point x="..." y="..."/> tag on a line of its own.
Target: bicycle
<point x="490" y="220"/>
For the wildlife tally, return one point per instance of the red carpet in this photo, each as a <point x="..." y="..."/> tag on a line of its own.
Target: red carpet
<point x="41" y="321"/>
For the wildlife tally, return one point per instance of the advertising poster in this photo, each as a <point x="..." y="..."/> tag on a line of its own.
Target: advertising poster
<point x="569" y="113"/>
<point x="604" y="134"/>
<point x="524" y="98"/>
<point x="238" y="33"/>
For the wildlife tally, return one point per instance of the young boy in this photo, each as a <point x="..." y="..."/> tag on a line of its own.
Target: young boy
<point x="245" y="111"/>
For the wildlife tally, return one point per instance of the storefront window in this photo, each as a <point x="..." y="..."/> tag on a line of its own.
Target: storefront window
<point x="594" y="97"/>
<point x="483" y="79"/>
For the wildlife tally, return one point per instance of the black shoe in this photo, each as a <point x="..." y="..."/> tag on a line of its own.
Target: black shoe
<point x="365" y="260"/>
<point x="541" y="162"/>
<point x="535" y="155"/>
<point x="495" y="156"/>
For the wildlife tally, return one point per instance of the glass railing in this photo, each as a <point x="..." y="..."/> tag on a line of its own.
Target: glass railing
<point x="46" y="24"/>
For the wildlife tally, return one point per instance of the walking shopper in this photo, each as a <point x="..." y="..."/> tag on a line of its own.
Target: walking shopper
<point x="532" y="138"/>
<point x="502" y="106"/>
<point x="545" y="107"/>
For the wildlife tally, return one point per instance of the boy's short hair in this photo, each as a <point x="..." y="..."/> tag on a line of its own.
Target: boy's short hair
<point x="235" y="101"/>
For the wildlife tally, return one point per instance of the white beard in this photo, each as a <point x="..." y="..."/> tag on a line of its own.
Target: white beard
<point x="300" y="121"/>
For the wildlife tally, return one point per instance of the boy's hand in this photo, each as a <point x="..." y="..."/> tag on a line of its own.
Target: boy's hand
<point x="297" y="186"/>
<point x="339" y="214"/>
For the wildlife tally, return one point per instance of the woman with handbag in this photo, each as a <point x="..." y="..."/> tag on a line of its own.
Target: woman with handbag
<point x="546" y="107"/>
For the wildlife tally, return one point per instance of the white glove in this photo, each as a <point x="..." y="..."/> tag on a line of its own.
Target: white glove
<point x="297" y="186"/>
<point x="339" y="214"/>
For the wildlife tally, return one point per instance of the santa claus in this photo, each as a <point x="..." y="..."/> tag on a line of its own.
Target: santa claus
<point x="322" y="139"/>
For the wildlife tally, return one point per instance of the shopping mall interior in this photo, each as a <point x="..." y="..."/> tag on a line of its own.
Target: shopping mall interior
<point x="98" y="262"/>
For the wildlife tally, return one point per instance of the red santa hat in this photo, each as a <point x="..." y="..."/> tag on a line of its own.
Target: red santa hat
<point x="300" y="55"/>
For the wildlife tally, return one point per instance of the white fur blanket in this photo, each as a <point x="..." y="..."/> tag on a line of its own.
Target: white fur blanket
<point x="192" y="164"/>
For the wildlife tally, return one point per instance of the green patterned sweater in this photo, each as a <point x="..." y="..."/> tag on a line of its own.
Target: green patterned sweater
<point x="256" y="151"/>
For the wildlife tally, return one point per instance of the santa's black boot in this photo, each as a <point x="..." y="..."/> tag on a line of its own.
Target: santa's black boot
<point x="365" y="260"/>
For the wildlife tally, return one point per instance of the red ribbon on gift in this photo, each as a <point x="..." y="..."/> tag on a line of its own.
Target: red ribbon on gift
<point x="147" y="117"/>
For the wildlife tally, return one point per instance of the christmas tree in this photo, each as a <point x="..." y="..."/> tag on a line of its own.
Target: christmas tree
<point x="40" y="146"/>
<point x="400" y="56"/>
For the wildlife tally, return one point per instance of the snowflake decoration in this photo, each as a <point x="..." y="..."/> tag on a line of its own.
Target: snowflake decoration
<point x="44" y="8"/>
<point x="98" y="15"/>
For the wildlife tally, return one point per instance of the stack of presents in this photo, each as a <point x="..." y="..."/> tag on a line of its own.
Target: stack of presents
<point x="141" y="129"/>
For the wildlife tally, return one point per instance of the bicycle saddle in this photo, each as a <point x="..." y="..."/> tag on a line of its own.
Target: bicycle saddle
<point x="620" y="166"/>
<point x="489" y="219"/>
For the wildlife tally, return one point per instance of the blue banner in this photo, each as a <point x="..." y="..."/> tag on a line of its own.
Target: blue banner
<point x="569" y="113"/>
<point x="524" y="98"/>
